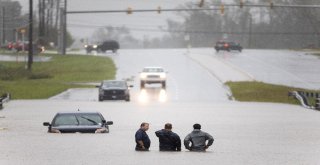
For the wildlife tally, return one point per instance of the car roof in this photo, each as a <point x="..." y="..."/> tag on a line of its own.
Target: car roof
<point x="78" y="112"/>
<point x="153" y="67"/>
<point x="113" y="80"/>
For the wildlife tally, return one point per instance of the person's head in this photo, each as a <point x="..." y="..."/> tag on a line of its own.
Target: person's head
<point x="144" y="126"/>
<point x="196" y="126"/>
<point x="168" y="126"/>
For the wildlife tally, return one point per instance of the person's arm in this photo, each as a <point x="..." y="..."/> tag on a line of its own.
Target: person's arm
<point x="140" y="142"/>
<point x="178" y="144"/>
<point x="187" y="141"/>
<point x="210" y="140"/>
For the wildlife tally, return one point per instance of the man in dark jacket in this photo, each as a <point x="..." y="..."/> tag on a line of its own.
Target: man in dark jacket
<point x="168" y="140"/>
<point x="198" y="139"/>
<point x="142" y="139"/>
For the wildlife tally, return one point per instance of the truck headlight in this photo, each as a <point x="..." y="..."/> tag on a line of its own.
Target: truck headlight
<point x="163" y="76"/>
<point x="143" y="76"/>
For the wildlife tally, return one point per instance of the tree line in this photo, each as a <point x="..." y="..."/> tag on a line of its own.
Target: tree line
<point x="252" y="27"/>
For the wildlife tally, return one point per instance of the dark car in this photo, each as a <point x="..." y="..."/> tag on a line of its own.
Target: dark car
<point x="114" y="90"/>
<point x="108" y="45"/>
<point x="82" y="122"/>
<point x="227" y="46"/>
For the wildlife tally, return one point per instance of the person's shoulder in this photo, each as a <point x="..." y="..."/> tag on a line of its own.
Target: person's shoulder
<point x="206" y="133"/>
<point x="139" y="131"/>
<point x="158" y="132"/>
<point x="175" y="134"/>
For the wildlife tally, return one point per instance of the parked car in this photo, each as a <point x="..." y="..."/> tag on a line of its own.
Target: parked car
<point x="82" y="122"/>
<point x="227" y="46"/>
<point x="24" y="46"/>
<point x="114" y="90"/>
<point x="153" y="75"/>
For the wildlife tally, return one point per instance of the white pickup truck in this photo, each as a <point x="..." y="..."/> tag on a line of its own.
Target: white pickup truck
<point x="153" y="75"/>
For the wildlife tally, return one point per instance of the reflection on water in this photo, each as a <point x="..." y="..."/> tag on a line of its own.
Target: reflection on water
<point x="149" y="94"/>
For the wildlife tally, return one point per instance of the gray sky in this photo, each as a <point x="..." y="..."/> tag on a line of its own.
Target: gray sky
<point x="83" y="25"/>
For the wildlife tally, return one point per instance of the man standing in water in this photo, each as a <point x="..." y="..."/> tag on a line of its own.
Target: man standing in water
<point x="142" y="139"/>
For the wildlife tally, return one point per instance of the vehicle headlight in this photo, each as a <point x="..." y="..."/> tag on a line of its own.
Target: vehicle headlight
<point x="143" y="76"/>
<point x="95" y="46"/>
<point x="85" y="46"/>
<point x="101" y="130"/>
<point x="53" y="130"/>
<point x="163" y="76"/>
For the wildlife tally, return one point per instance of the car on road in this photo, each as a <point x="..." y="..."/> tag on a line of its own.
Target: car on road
<point x="114" y="90"/>
<point x="153" y="75"/>
<point x="82" y="122"/>
<point x="90" y="47"/>
<point x="227" y="46"/>
<point x="108" y="45"/>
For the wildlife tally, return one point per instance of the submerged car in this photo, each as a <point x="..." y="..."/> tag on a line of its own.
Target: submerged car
<point x="153" y="75"/>
<point x="114" y="90"/>
<point x="82" y="122"/>
<point x="227" y="46"/>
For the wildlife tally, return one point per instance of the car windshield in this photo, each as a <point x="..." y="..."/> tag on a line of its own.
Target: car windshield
<point x="152" y="70"/>
<point x="77" y="119"/>
<point x="117" y="84"/>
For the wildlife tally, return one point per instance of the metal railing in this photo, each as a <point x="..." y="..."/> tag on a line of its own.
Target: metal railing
<point x="3" y="99"/>
<point x="304" y="98"/>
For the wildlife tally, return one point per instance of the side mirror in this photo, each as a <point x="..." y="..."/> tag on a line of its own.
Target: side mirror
<point x="46" y="124"/>
<point x="109" y="123"/>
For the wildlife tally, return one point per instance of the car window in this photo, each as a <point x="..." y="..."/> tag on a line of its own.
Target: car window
<point x="152" y="70"/>
<point x="65" y="119"/>
<point x="118" y="84"/>
<point x="89" y="119"/>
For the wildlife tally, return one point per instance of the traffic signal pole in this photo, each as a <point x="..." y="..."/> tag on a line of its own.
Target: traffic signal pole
<point x="30" y="49"/>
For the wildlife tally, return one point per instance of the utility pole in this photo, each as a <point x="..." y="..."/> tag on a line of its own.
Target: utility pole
<point x="64" y="45"/>
<point x="250" y="31"/>
<point x="3" y="39"/>
<point x="42" y="5"/>
<point x="62" y="28"/>
<point x="30" y="49"/>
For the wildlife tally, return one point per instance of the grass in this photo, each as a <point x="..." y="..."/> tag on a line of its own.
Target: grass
<point x="50" y="78"/>
<point x="262" y="92"/>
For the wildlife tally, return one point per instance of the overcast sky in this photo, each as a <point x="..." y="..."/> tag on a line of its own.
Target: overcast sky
<point x="83" y="25"/>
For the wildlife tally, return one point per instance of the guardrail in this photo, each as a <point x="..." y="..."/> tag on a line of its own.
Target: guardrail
<point x="3" y="99"/>
<point x="303" y="97"/>
<point x="317" y="106"/>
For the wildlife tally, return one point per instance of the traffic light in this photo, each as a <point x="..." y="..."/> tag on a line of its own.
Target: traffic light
<point x="129" y="10"/>
<point x="222" y="8"/>
<point x="241" y="4"/>
<point x="159" y="10"/>
<point x="201" y="3"/>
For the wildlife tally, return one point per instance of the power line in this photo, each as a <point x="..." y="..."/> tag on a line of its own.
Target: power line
<point x="130" y="10"/>
<point x="199" y="31"/>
